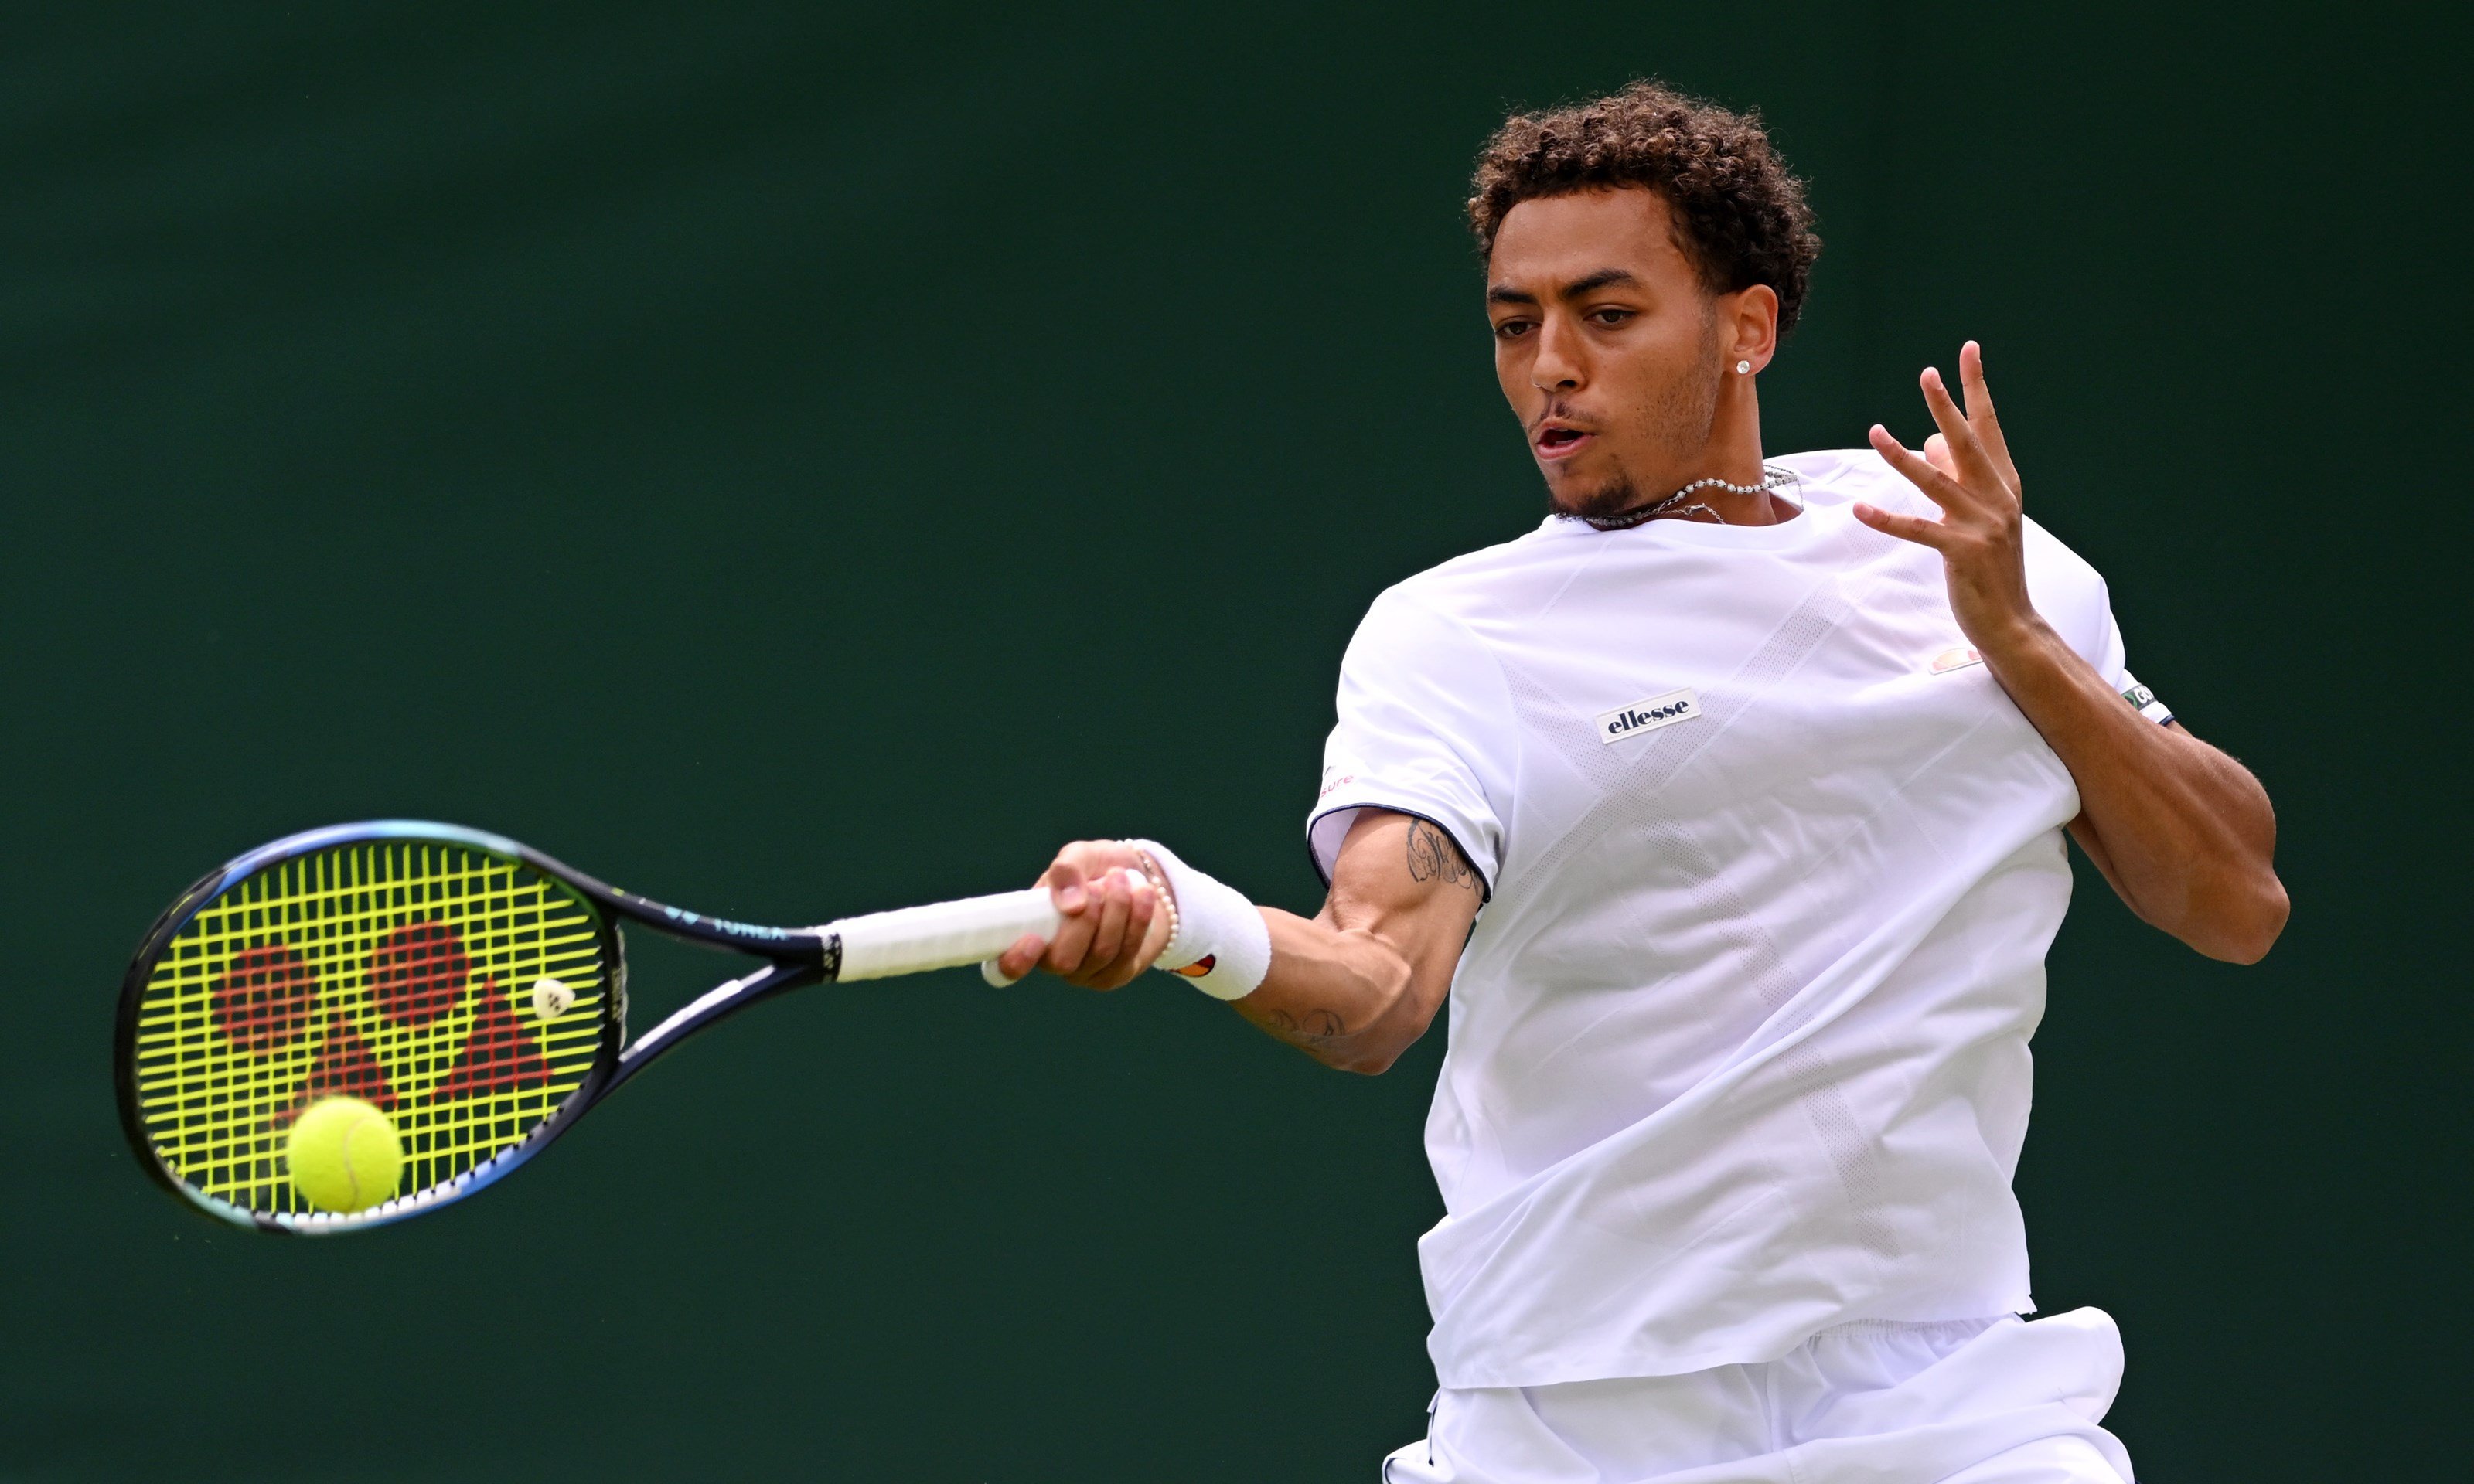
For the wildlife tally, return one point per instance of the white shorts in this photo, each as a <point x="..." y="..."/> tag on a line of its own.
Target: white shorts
<point x="1970" y="1401"/>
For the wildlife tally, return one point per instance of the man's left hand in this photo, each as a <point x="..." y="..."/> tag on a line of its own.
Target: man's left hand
<point x="1966" y="469"/>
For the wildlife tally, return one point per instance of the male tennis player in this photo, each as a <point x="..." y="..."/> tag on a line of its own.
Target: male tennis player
<point x="1760" y="771"/>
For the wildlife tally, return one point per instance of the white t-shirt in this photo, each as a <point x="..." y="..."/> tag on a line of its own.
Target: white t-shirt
<point x="1739" y="1048"/>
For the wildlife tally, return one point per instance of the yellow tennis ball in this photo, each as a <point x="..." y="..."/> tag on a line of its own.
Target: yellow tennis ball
<point x="345" y="1156"/>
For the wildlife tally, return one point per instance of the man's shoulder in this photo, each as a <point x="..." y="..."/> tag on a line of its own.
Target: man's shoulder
<point x="2066" y="586"/>
<point x="1437" y="621"/>
<point x="1455" y="586"/>
<point x="1842" y="476"/>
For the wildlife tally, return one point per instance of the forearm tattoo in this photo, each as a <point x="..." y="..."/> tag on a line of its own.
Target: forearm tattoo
<point x="1432" y="854"/>
<point x="1319" y="1027"/>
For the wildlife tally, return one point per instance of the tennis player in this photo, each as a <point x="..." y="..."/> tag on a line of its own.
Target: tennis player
<point x="1726" y="808"/>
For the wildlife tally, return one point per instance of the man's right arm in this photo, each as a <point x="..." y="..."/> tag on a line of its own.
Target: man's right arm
<point x="1353" y="986"/>
<point x="1356" y="984"/>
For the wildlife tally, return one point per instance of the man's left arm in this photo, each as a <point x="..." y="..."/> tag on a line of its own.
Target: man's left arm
<point x="2183" y="833"/>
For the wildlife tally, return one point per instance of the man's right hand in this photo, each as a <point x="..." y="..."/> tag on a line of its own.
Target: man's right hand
<point x="1113" y="926"/>
<point x="1352" y="985"/>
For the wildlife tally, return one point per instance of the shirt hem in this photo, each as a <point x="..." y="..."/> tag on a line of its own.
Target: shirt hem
<point x="1627" y="1365"/>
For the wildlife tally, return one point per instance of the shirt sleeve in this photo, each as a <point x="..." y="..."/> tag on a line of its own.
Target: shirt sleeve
<point x="2072" y="596"/>
<point x="1424" y="720"/>
<point x="2116" y="674"/>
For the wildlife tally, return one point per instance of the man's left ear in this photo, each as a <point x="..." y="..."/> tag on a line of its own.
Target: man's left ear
<point x="1750" y="321"/>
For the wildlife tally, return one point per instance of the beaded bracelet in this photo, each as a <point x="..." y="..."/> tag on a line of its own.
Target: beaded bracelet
<point x="1167" y="898"/>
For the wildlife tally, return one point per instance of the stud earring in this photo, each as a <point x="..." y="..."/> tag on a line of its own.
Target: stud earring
<point x="1743" y="368"/>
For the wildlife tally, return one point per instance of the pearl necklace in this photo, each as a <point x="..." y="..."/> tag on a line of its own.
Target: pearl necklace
<point x="1771" y="479"/>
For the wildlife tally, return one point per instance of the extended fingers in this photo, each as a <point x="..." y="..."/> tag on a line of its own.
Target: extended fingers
<point x="1906" y="527"/>
<point x="1966" y="452"/>
<point x="1937" y="454"/>
<point x="1980" y="415"/>
<point x="1971" y="381"/>
<point x="1941" y="488"/>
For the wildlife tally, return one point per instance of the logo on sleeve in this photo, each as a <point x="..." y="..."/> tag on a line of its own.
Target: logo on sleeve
<point x="2148" y="706"/>
<point x="1631" y="721"/>
<point x="1958" y="658"/>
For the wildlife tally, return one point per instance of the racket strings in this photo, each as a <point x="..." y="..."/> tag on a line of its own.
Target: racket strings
<point x="402" y="972"/>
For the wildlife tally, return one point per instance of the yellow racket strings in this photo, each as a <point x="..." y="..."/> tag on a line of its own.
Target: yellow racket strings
<point x="405" y="973"/>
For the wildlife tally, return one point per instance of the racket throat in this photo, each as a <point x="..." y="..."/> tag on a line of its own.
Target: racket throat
<point x="726" y="998"/>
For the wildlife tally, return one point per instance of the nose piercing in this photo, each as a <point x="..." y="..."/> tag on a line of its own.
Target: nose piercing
<point x="1743" y="368"/>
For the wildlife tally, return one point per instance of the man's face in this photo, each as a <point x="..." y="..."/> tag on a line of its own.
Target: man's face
<point x="1607" y="345"/>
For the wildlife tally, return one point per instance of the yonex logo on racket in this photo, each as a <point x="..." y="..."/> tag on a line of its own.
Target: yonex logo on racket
<point x="1631" y="721"/>
<point x="727" y="925"/>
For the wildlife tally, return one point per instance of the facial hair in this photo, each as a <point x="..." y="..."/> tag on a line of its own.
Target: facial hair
<point x="1679" y="419"/>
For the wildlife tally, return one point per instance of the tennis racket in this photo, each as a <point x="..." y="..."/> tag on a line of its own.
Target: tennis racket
<point x="472" y="989"/>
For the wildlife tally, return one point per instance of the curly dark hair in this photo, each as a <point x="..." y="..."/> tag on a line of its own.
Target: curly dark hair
<point x="1739" y="214"/>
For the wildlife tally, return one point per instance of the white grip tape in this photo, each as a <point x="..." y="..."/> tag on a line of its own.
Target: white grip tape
<point x="998" y="978"/>
<point x="942" y="935"/>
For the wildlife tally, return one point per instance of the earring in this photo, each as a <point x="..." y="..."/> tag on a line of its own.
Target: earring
<point x="1743" y="368"/>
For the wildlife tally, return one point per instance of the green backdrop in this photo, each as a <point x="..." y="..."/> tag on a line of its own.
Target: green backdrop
<point x="799" y="459"/>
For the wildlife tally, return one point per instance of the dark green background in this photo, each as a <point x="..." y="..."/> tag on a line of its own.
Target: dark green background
<point x="794" y="461"/>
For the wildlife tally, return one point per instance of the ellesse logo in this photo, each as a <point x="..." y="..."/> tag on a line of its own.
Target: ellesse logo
<point x="1631" y="721"/>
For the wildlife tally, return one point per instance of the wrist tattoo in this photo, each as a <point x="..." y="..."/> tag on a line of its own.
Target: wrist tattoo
<point x="1432" y="854"/>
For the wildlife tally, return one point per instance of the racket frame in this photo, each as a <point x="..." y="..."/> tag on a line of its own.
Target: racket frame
<point x="797" y="957"/>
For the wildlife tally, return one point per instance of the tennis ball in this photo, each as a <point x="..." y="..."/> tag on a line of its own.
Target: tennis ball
<point x="345" y="1156"/>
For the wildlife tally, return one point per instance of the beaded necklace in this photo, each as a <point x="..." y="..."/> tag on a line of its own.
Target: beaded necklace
<point x="1771" y="479"/>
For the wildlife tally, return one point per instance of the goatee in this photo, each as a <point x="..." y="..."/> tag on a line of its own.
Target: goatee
<point x="1615" y="497"/>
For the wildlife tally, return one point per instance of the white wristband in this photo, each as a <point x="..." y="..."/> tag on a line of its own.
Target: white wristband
<point x="1221" y="944"/>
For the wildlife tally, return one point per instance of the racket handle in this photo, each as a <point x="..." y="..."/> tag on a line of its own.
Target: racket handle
<point x="942" y="935"/>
